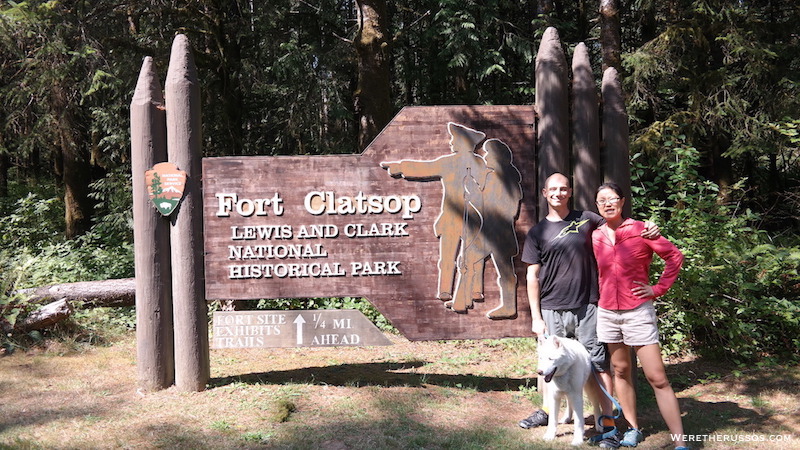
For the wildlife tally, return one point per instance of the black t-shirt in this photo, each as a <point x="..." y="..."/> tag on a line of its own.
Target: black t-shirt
<point x="568" y="276"/>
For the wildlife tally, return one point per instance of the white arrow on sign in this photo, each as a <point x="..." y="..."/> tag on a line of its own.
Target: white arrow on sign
<point x="299" y="321"/>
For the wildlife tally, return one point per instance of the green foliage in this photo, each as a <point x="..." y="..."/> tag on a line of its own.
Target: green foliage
<point x="83" y="259"/>
<point x="530" y="392"/>
<point x="791" y="129"/>
<point x="34" y="253"/>
<point x="96" y="326"/>
<point x="113" y="220"/>
<point x="473" y="53"/>
<point x="284" y="408"/>
<point x="739" y="291"/>
<point x="10" y="310"/>
<point x="726" y="73"/>
<point x="30" y="222"/>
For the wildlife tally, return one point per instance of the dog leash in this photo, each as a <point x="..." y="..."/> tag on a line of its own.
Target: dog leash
<point x="617" y="408"/>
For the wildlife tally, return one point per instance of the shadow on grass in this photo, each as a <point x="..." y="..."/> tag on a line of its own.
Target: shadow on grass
<point x="749" y="380"/>
<point x="404" y="432"/>
<point x="374" y="374"/>
<point x="708" y="423"/>
<point x="719" y="418"/>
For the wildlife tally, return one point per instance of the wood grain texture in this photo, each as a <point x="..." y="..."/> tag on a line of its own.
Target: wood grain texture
<point x="616" y="152"/>
<point x="153" y="286"/>
<point x="182" y="97"/>
<point x="552" y="103"/>
<point x="586" y="173"/>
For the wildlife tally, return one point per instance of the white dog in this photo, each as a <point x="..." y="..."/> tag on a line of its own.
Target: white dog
<point x="565" y="365"/>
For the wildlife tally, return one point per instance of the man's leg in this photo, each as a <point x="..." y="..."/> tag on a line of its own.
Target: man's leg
<point x="586" y="332"/>
<point x="555" y="326"/>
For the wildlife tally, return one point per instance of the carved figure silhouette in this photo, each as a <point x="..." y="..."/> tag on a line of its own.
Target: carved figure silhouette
<point x="455" y="170"/>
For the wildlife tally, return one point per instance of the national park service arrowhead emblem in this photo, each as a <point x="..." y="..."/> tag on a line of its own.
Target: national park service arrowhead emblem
<point x="165" y="184"/>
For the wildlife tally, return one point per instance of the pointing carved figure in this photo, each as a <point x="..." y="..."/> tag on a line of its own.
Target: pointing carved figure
<point x="456" y="171"/>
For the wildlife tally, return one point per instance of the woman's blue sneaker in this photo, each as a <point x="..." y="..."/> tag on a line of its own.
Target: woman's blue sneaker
<point x="631" y="438"/>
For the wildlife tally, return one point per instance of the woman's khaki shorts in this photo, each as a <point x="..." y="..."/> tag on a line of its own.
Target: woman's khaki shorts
<point x="633" y="327"/>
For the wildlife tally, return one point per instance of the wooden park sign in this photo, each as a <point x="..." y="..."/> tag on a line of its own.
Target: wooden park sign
<point x="425" y="223"/>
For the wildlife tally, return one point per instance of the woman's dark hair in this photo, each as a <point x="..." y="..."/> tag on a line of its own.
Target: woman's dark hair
<point x="613" y="186"/>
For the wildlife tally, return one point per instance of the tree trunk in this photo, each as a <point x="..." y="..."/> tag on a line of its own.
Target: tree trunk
<point x="720" y="167"/>
<point x="76" y="172"/>
<point x="120" y="292"/>
<point x="372" y="97"/>
<point x="5" y="164"/>
<point x="46" y="316"/>
<point x="225" y="18"/>
<point x="647" y="24"/>
<point x="610" y="40"/>
<point x="582" y="21"/>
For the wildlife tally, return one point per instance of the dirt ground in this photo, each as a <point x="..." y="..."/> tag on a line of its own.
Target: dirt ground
<point x="464" y="394"/>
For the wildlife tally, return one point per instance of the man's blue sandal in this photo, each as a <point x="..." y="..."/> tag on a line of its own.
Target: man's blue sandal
<point x="608" y="432"/>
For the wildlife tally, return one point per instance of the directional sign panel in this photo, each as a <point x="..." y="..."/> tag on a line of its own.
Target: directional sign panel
<point x="314" y="328"/>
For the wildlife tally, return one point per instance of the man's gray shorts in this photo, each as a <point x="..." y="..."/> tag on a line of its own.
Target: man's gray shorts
<point x="580" y="324"/>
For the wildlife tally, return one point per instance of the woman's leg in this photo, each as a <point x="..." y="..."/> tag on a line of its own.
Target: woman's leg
<point x="653" y="366"/>
<point x="623" y="381"/>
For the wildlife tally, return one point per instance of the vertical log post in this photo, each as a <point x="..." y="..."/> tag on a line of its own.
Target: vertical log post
<point x="154" y="339"/>
<point x="615" y="136"/>
<point x="552" y="104"/>
<point x="192" y="367"/>
<point x="585" y="131"/>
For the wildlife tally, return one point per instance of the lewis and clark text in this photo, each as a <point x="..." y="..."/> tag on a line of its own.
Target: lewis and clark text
<point x="258" y="260"/>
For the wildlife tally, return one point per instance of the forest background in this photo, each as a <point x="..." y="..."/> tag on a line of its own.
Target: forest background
<point x="713" y="95"/>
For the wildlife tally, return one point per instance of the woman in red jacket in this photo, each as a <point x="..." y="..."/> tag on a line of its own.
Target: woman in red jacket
<point x="626" y="316"/>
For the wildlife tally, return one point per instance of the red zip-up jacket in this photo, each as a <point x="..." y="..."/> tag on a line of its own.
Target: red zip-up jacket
<point x="620" y="264"/>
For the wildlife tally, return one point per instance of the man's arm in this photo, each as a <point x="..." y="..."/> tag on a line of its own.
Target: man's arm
<point x="651" y="230"/>
<point x="532" y="278"/>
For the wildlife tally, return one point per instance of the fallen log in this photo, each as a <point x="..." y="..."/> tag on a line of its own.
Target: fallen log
<point x="112" y="293"/>
<point x="46" y="316"/>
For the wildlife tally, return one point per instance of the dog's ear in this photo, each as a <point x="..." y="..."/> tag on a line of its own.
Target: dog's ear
<point x="556" y="342"/>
